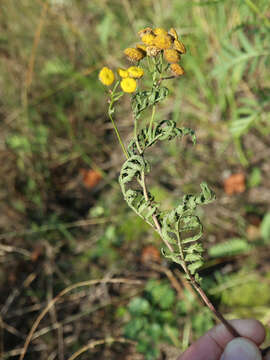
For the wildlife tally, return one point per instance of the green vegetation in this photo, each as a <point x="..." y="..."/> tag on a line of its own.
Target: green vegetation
<point x="152" y="320"/>
<point x="158" y="318"/>
<point x="63" y="219"/>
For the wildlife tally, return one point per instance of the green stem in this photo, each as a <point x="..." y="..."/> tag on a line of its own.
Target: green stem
<point x="116" y="131"/>
<point x="110" y="112"/>
<point x="161" y="64"/>
<point x="135" y="135"/>
<point x="152" y="119"/>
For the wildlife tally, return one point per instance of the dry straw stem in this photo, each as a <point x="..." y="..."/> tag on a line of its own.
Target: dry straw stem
<point x="10" y="249"/>
<point x="94" y="343"/>
<point x="44" y="228"/>
<point x="63" y="19"/>
<point x="53" y="313"/>
<point x="65" y="291"/>
<point x="29" y="74"/>
<point x="170" y="275"/>
<point x="47" y="94"/>
<point x="1" y="338"/>
<point x="130" y="14"/>
<point x="16" y="292"/>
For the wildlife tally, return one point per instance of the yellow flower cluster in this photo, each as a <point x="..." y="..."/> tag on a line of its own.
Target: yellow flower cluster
<point x="159" y="40"/>
<point x="128" y="77"/>
<point x="154" y="42"/>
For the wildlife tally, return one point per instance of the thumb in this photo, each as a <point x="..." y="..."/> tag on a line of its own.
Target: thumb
<point x="241" y="349"/>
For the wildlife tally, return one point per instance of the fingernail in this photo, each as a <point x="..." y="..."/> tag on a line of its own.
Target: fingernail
<point x="241" y="349"/>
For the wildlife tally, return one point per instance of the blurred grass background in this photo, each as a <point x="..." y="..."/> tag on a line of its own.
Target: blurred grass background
<point x="63" y="219"/>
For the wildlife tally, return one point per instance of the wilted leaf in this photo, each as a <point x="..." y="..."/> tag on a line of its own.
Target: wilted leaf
<point x="253" y="232"/>
<point x="150" y="254"/>
<point x="235" y="184"/>
<point x="36" y="253"/>
<point x="90" y="178"/>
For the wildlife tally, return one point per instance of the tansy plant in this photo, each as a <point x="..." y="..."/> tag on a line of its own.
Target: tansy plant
<point x="158" y="54"/>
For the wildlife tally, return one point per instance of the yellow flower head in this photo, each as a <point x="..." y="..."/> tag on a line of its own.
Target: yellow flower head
<point x="134" y="54"/>
<point x="135" y="72"/>
<point x="171" y="55"/>
<point x="122" y="72"/>
<point x="177" y="70"/>
<point x="152" y="51"/>
<point x="163" y="41"/>
<point x="147" y="30"/>
<point x="148" y="39"/>
<point x="173" y="33"/>
<point x="106" y="76"/>
<point x="179" y="46"/>
<point x="128" y="85"/>
<point x="160" y="31"/>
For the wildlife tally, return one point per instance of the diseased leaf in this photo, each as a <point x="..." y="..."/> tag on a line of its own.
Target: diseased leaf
<point x="180" y="227"/>
<point x="195" y="266"/>
<point x="170" y="255"/>
<point x="193" y="257"/>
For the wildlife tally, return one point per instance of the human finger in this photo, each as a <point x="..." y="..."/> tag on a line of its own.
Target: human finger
<point x="211" y="345"/>
<point x="241" y="349"/>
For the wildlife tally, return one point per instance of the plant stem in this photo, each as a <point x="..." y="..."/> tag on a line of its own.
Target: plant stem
<point x="208" y="303"/>
<point x="152" y="119"/>
<point x="110" y="112"/>
<point x="154" y="216"/>
<point x="200" y="291"/>
<point x="118" y="136"/>
<point x="212" y="308"/>
<point x="135" y="135"/>
<point x="165" y="78"/>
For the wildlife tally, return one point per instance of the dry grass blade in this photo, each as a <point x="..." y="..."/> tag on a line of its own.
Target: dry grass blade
<point x="29" y="74"/>
<point x="94" y="343"/>
<point x="176" y="284"/>
<point x="16" y="291"/>
<point x="1" y="338"/>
